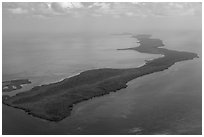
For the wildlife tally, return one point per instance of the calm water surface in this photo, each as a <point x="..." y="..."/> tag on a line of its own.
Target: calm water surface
<point x="46" y="59"/>
<point x="167" y="102"/>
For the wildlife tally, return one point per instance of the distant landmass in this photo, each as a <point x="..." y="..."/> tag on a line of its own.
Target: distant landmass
<point x="8" y="86"/>
<point x="55" y="101"/>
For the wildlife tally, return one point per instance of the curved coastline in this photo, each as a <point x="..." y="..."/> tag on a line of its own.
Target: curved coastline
<point x="55" y="101"/>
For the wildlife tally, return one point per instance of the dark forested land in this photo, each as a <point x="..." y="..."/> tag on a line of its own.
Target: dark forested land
<point x="54" y="101"/>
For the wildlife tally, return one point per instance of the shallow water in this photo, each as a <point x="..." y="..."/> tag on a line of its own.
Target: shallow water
<point x="167" y="102"/>
<point x="45" y="60"/>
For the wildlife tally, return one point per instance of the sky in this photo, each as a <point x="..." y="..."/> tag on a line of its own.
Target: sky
<point x="99" y="16"/>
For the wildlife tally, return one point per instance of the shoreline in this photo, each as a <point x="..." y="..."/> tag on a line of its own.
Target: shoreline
<point x="12" y="85"/>
<point x="74" y="74"/>
<point x="55" y="101"/>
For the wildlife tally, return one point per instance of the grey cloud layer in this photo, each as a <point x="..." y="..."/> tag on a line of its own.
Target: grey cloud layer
<point x="115" y="10"/>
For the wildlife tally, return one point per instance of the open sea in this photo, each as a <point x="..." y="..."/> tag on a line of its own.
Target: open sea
<point x="167" y="102"/>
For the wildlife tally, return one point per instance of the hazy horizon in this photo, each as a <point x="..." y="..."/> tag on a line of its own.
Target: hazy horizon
<point x="99" y="17"/>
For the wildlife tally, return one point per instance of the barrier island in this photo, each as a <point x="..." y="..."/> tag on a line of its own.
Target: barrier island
<point x="55" y="101"/>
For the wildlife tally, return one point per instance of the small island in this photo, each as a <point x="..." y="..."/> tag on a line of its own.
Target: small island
<point x="54" y="101"/>
<point x="8" y="86"/>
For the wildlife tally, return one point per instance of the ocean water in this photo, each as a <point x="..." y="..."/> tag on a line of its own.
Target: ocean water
<point x="167" y="102"/>
<point x="45" y="59"/>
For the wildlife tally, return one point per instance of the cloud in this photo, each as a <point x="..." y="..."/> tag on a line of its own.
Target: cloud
<point x="65" y="7"/>
<point x="130" y="14"/>
<point x="59" y="7"/>
<point x="18" y="11"/>
<point x="97" y="9"/>
<point x="100" y="5"/>
<point x="100" y="8"/>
